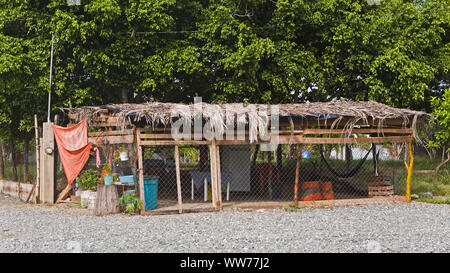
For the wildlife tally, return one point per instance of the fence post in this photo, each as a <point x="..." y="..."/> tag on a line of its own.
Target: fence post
<point x="47" y="187"/>
<point x="219" y="176"/>
<point x="141" y="177"/>
<point x="213" y="163"/>
<point x="177" y="168"/>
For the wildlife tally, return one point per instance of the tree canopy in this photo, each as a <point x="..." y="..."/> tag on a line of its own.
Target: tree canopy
<point x="106" y="51"/>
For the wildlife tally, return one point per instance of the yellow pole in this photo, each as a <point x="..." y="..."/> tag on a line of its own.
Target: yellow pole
<point x="409" y="169"/>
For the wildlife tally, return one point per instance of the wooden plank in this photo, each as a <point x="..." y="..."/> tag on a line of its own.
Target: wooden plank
<point x="165" y="129"/>
<point x="313" y="140"/>
<point x="177" y="168"/>
<point x="219" y="176"/>
<point x="141" y="177"/>
<point x="380" y="188"/>
<point x="406" y="131"/>
<point x="111" y="133"/>
<point x="64" y="193"/>
<point x="381" y="193"/>
<point x="173" y="142"/>
<point x="299" y="139"/>
<point x="157" y="136"/>
<point x="112" y="139"/>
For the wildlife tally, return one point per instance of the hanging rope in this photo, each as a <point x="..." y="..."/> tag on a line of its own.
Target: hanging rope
<point x="351" y="172"/>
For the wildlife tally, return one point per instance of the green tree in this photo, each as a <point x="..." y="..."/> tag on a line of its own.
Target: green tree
<point x="442" y="136"/>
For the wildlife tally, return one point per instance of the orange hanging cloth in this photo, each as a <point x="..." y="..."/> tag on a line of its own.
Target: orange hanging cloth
<point x="73" y="148"/>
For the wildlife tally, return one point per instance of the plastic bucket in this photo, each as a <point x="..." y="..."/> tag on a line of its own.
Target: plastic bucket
<point x="151" y="192"/>
<point x="108" y="179"/>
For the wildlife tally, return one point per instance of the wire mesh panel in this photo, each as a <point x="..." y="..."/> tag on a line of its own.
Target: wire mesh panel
<point x="159" y="164"/>
<point x="325" y="172"/>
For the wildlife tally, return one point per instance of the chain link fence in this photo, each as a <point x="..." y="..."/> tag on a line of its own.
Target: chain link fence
<point x="325" y="172"/>
<point x="249" y="173"/>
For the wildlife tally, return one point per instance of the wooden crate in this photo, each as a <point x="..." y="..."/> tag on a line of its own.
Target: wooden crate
<point x="380" y="188"/>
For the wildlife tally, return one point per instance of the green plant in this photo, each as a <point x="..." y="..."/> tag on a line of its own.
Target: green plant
<point x="434" y="200"/>
<point x="106" y="168"/>
<point x="129" y="203"/>
<point x="88" y="180"/>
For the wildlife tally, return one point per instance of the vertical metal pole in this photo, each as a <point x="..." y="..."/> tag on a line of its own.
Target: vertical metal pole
<point x="50" y="78"/>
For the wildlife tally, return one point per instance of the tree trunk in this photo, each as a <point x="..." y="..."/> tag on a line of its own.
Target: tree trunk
<point x="106" y="201"/>
<point x="2" y="162"/>
<point x="348" y="156"/>
<point x="25" y="158"/>
<point x="124" y="94"/>
<point x="279" y="157"/>
<point x="13" y="158"/>
<point x="436" y="171"/>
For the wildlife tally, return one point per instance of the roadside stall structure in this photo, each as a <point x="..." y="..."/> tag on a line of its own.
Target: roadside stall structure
<point x="197" y="157"/>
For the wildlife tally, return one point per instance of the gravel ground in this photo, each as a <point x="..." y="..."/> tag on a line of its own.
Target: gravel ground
<point x="414" y="227"/>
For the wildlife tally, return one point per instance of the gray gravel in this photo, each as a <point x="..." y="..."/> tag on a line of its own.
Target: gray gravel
<point x="414" y="227"/>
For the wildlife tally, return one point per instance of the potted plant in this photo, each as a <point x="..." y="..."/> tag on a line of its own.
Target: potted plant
<point x="107" y="177"/>
<point x="129" y="203"/>
<point x="88" y="181"/>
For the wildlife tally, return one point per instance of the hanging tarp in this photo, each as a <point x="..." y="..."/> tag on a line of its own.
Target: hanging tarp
<point x="73" y="148"/>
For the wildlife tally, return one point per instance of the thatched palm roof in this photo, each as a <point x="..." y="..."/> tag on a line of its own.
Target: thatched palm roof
<point x="157" y="113"/>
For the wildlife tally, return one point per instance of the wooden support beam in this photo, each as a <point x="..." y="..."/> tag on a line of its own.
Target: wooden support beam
<point x="173" y="142"/>
<point x="157" y="136"/>
<point x="141" y="177"/>
<point x="177" y="168"/>
<point x="64" y="193"/>
<point x="112" y="139"/>
<point x="323" y="140"/>
<point x="213" y="161"/>
<point x="219" y="176"/>
<point x="405" y="131"/>
<point x="111" y="133"/>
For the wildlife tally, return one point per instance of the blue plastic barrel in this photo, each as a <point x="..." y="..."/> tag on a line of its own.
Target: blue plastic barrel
<point x="151" y="192"/>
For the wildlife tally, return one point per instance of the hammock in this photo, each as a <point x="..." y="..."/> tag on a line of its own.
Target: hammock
<point x="351" y="172"/>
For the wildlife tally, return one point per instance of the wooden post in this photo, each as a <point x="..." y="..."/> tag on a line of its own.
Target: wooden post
<point x="219" y="176"/>
<point x="213" y="159"/>
<point x="297" y="171"/>
<point x="47" y="189"/>
<point x="141" y="177"/>
<point x="177" y="167"/>
<point x="409" y="169"/>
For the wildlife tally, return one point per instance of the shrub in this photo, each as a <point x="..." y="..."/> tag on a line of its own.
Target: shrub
<point x="129" y="203"/>
<point x="88" y="180"/>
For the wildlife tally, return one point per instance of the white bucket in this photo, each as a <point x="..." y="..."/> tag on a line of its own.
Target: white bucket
<point x="124" y="156"/>
<point x="88" y="199"/>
